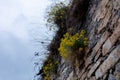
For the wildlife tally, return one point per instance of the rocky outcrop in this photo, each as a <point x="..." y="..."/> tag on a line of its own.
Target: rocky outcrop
<point x="102" y="59"/>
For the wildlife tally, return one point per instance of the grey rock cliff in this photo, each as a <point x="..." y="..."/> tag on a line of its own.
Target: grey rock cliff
<point x="102" y="59"/>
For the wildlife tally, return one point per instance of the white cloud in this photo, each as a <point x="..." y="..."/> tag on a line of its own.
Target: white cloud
<point x="16" y="15"/>
<point x="8" y="12"/>
<point x="19" y="21"/>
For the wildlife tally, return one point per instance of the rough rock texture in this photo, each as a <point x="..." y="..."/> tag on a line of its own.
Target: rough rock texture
<point x="102" y="59"/>
<point x="109" y="62"/>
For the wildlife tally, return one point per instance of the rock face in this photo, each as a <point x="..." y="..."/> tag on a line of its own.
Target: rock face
<point x="111" y="60"/>
<point x="102" y="60"/>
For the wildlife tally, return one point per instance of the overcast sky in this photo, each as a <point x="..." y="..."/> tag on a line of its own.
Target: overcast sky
<point x="22" y="27"/>
<point x="22" y="23"/>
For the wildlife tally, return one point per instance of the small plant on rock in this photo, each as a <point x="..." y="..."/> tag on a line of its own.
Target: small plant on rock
<point x="49" y="68"/>
<point x="57" y="15"/>
<point x="73" y="45"/>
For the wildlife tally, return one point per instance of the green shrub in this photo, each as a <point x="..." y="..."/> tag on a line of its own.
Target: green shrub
<point x="72" y="44"/>
<point x="57" y="15"/>
<point x="49" y="68"/>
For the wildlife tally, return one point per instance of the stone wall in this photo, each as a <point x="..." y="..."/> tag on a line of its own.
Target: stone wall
<point x="102" y="59"/>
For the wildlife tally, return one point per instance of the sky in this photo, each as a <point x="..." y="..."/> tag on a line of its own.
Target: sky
<point x="22" y="27"/>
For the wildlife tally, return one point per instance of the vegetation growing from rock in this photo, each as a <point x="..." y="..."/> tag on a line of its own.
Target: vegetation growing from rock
<point x="57" y="15"/>
<point x="67" y="43"/>
<point x="56" y="18"/>
<point x="49" y="68"/>
<point x="73" y="44"/>
<point x="101" y="59"/>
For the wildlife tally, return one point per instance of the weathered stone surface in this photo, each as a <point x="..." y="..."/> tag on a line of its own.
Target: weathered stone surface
<point x="94" y="68"/>
<point x="81" y="72"/>
<point x="70" y="76"/>
<point x="116" y="4"/>
<point x="101" y="41"/>
<point x="89" y="59"/>
<point x="101" y="11"/>
<point x="117" y="71"/>
<point x="109" y="62"/>
<point x="111" y="77"/>
<point x="104" y="77"/>
<point x="97" y="47"/>
<point x="92" y="78"/>
<point x="92" y="38"/>
<point x="105" y="13"/>
<point x="83" y="76"/>
<point x="111" y="41"/>
<point x="118" y="68"/>
<point x="117" y="77"/>
<point x="86" y="79"/>
<point x="97" y="55"/>
<point x="64" y="70"/>
<point x="65" y="73"/>
<point x="113" y="21"/>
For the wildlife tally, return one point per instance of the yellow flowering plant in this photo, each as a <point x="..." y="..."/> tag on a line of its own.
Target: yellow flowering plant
<point x="49" y="68"/>
<point x="72" y="43"/>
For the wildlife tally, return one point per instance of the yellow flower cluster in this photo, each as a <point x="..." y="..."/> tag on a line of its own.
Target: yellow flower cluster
<point x="69" y="42"/>
<point x="48" y="69"/>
